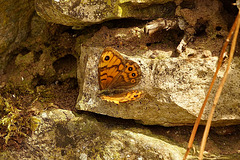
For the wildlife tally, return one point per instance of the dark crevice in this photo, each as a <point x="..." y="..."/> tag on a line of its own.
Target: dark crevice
<point x="65" y="64"/>
<point x="200" y="28"/>
<point x="189" y="4"/>
<point x="218" y="28"/>
<point x="37" y="55"/>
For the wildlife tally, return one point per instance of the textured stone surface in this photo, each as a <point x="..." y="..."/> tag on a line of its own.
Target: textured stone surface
<point x="82" y="13"/>
<point x="31" y="50"/>
<point x="37" y="53"/>
<point x="62" y="135"/>
<point x="174" y="87"/>
<point x="14" y="28"/>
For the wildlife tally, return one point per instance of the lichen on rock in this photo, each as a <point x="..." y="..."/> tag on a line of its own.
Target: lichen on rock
<point x="79" y="13"/>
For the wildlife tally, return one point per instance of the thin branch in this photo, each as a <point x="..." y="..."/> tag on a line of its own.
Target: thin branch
<point x="210" y="88"/>
<point x="218" y="93"/>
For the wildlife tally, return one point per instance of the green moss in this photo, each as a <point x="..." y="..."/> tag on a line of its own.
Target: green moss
<point x="18" y="105"/>
<point x="44" y="94"/>
<point x="16" y="122"/>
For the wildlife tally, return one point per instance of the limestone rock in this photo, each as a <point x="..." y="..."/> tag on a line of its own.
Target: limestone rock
<point x="31" y="50"/>
<point x="62" y="135"/>
<point x="82" y="13"/>
<point x="174" y="87"/>
<point x="14" y="26"/>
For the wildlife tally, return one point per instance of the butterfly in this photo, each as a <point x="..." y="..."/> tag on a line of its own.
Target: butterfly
<point x="117" y="74"/>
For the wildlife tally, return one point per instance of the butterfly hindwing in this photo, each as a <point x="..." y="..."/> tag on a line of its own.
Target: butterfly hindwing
<point x="123" y="97"/>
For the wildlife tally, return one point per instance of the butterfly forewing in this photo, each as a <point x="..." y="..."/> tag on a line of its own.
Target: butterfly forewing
<point x="110" y="67"/>
<point x="131" y="75"/>
<point x="115" y="72"/>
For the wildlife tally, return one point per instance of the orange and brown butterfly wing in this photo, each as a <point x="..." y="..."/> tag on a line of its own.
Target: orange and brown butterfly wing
<point x="110" y="67"/>
<point x="129" y="77"/>
<point x="123" y="97"/>
<point x="114" y="72"/>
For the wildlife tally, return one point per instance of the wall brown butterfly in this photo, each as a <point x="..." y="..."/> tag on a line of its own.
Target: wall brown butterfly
<point x="115" y="72"/>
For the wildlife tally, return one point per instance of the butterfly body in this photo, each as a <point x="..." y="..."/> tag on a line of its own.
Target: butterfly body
<point x="115" y="72"/>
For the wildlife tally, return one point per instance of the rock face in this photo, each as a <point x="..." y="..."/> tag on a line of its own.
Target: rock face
<point x="177" y="64"/>
<point x="174" y="87"/>
<point x="63" y="135"/>
<point x="14" y="27"/>
<point x="82" y="13"/>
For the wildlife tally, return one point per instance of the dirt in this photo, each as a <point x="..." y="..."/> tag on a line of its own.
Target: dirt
<point x="219" y="144"/>
<point x="61" y="95"/>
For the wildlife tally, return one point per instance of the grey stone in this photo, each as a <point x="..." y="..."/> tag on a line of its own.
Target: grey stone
<point x="82" y="13"/>
<point x="175" y="87"/>
<point x="14" y="26"/>
<point x="62" y="135"/>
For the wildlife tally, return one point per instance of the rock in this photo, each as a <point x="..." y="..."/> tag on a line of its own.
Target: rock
<point x="174" y="87"/>
<point x="63" y="135"/>
<point x="209" y="18"/>
<point x="83" y="13"/>
<point x="14" y="26"/>
<point x="33" y="51"/>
